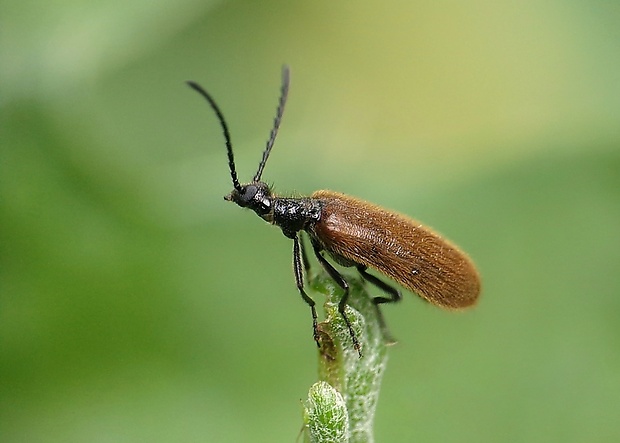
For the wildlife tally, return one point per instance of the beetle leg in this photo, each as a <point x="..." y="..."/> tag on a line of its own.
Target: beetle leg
<point x="304" y="255"/>
<point x="339" y="279"/>
<point x="299" y="280"/>
<point x="390" y="290"/>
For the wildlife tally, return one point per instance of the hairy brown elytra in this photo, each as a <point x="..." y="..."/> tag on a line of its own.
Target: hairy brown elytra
<point x="355" y="233"/>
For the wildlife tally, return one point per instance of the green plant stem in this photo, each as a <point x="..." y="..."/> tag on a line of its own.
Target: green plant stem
<point x="349" y="378"/>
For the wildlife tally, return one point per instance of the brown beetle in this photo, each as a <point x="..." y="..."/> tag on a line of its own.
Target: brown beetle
<point x="355" y="233"/>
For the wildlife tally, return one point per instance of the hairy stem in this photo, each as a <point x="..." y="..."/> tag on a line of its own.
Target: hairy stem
<point x="346" y="396"/>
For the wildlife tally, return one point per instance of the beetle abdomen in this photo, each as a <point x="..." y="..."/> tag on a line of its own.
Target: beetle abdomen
<point x="398" y="246"/>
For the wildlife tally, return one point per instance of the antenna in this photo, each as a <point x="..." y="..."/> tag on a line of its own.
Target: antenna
<point x="276" y="121"/>
<point x="220" y="116"/>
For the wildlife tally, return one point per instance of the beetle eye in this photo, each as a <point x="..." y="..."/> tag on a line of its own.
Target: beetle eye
<point x="247" y="194"/>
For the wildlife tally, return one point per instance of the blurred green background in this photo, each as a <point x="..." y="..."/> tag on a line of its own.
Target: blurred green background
<point x="137" y="305"/>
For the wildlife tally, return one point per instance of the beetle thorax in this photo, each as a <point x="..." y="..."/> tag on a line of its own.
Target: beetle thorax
<point x="294" y="214"/>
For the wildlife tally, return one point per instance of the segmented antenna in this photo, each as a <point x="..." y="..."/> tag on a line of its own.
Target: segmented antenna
<point x="276" y="121"/>
<point x="220" y="116"/>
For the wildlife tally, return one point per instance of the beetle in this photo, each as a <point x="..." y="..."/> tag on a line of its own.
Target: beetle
<point x="354" y="233"/>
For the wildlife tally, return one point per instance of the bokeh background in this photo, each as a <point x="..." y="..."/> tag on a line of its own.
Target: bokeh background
<point x="137" y="305"/>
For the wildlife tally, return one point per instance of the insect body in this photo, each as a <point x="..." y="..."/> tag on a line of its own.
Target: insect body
<point x="357" y="234"/>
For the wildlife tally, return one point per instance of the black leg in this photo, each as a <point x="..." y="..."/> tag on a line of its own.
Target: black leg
<point x="393" y="292"/>
<point x="299" y="280"/>
<point x="304" y="255"/>
<point x="339" y="279"/>
<point x="390" y="290"/>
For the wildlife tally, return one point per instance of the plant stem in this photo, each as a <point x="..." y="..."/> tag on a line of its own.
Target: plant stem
<point x="355" y="380"/>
